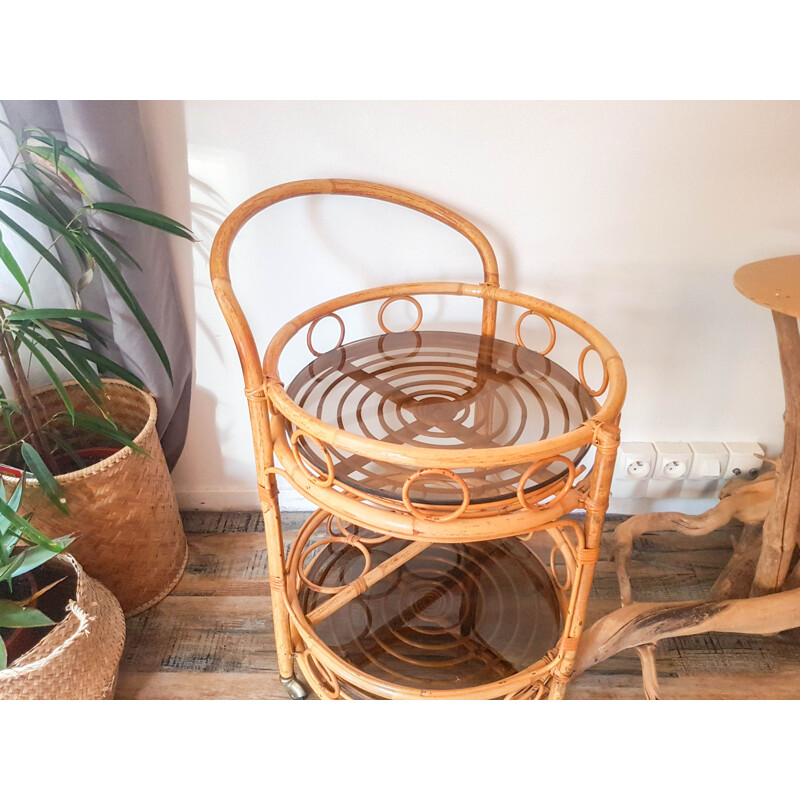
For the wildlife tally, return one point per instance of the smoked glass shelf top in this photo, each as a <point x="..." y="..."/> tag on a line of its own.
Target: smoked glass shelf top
<point x="440" y="389"/>
<point x="455" y="616"/>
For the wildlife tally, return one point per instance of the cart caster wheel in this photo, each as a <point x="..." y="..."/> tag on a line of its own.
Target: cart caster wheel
<point x="294" y="688"/>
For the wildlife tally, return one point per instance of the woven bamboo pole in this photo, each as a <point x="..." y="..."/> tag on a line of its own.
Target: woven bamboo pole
<point x="607" y="442"/>
<point x="268" y="497"/>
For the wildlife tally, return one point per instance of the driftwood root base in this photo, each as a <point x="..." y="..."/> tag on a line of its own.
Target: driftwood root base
<point x="737" y="603"/>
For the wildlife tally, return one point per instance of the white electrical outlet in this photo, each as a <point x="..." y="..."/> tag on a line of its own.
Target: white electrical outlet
<point x="635" y="460"/>
<point x="709" y="461"/>
<point x="673" y="461"/>
<point x="695" y="470"/>
<point x="745" y="460"/>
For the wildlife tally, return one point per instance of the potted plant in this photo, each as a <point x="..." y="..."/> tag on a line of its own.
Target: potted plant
<point x="87" y="441"/>
<point x="61" y="632"/>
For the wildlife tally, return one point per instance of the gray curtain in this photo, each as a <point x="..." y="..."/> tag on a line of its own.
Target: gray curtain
<point x="110" y="131"/>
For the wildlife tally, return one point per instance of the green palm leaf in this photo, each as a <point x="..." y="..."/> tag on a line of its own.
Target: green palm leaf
<point x="36" y="555"/>
<point x="113" y="244"/>
<point x="57" y="207"/>
<point x="106" y="364"/>
<point x="86" y="164"/>
<point x="35" y="210"/>
<point x="47" y="481"/>
<point x="52" y="157"/>
<point x="51" y="373"/>
<point x="111" y="271"/>
<point x="27" y="531"/>
<point x="37" y="246"/>
<point x="87" y="379"/>
<point x="54" y="313"/>
<point x="106" y="428"/>
<point x="151" y="218"/>
<point x="9" y="570"/>
<point x="13" y="615"/>
<point x="13" y="267"/>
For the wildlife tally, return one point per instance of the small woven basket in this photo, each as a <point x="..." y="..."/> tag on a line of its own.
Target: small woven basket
<point x="79" y="658"/>
<point x="124" y="510"/>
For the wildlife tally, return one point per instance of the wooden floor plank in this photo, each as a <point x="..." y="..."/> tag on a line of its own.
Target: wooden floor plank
<point x="222" y="564"/>
<point x="200" y="686"/>
<point x="784" y="686"/>
<point x="213" y="638"/>
<point x="201" y="634"/>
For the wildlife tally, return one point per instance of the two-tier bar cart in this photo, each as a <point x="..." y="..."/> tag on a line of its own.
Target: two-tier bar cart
<point x="440" y="460"/>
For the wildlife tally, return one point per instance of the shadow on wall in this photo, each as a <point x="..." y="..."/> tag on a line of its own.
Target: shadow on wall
<point x="206" y="219"/>
<point x="357" y="264"/>
<point x="206" y="216"/>
<point x="204" y="456"/>
<point x="203" y="471"/>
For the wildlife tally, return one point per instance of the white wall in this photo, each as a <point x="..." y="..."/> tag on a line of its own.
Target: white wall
<point x="634" y="215"/>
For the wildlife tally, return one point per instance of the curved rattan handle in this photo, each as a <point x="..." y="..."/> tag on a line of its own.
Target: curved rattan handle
<point x="220" y="251"/>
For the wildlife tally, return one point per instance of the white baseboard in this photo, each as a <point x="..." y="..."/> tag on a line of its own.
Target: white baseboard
<point x="238" y="499"/>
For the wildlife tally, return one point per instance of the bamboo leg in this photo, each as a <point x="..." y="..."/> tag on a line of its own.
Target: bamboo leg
<point x="780" y="527"/>
<point x="268" y="496"/>
<point x="274" y="539"/>
<point x="596" y="503"/>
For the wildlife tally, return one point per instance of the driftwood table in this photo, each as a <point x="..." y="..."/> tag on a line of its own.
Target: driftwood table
<point x="440" y="457"/>
<point x="758" y="592"/>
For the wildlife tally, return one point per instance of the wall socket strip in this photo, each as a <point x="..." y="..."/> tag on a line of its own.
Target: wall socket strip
<point x="683" y="469"/>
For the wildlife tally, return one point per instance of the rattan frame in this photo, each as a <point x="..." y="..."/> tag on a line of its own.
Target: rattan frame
<point x="271" y="408"/>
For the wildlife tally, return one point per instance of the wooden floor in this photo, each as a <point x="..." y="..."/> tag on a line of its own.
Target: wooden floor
<point x="212" y="637"/>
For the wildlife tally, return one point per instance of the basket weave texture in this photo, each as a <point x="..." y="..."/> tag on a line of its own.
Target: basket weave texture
<point x="130" y="534"/>
<point x="79" y="658"/>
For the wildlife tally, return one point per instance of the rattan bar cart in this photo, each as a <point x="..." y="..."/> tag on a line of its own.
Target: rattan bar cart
<point x="461" y="481"/>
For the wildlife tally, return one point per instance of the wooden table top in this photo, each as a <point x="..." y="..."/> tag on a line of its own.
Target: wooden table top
<point x="774" y="283"/>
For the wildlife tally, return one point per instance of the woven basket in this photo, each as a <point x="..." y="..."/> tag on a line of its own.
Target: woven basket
<point x="130" y="534"/>
<point x="79" y="658"/>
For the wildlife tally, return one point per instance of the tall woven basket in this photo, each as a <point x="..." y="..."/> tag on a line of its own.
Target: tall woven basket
<point x="130" y="535"/>
<point x="79" y="658"/>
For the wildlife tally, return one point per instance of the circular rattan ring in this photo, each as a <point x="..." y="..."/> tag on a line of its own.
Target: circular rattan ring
<point x="551" y="327"/>
<point x="314" y="325"/>
<point x="318" y="479"/>
<point x="391" y="300"/>
<point x="561" y="493"/>
<point x="581" y="359"/>
<point x="554" y="575"/>
<point x="319" y="675"/>
<point x="436" y="517"/>
<point x="353" y="542"/>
